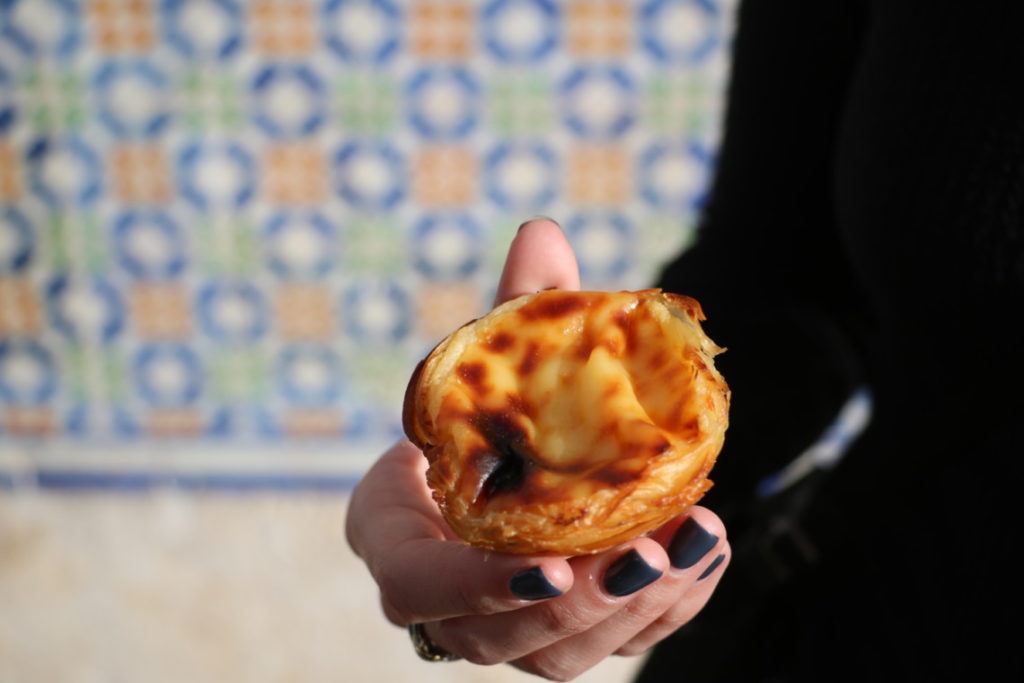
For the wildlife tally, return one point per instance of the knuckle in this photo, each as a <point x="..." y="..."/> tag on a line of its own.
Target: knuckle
<point x="645" y="609"/>
<point x="672" y="619"/>
<point x="551" y="669"/>
<point x="561" y="621"/>
<point x="475" y="602"/>
<point x="468" y="644"/>
<point x="634" y="648"/>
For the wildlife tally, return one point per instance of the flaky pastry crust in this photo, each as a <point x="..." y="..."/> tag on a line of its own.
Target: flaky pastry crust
<point x="568" y="422"/>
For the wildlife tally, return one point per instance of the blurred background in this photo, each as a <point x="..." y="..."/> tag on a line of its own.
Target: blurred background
<point x="228" y="231"/>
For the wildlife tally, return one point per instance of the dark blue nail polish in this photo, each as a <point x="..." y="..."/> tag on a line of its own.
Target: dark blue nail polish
<point x="711" y="567"/>
<point x="690" y="543"/>
<point x="628" y="574"/>
<point x="531" y="584"/>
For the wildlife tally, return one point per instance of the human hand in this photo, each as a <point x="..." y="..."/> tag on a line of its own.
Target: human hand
<point x="551" y="616"/>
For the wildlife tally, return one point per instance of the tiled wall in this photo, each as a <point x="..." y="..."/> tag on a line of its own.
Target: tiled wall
<point x="229" y="224"/>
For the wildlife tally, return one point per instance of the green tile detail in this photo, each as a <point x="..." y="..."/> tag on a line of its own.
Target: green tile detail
<point x="76" y="379"/>
<point x="57" y="244"/>
<point x="53" y="100"/>
<point x="679" y="104"/>
<point x="379" y="377"/>
<point x="226" y="248"/>
<point x="366" y="103"/>
<point x="94" y="374"/>
<point x="211" y="100"/>
<point x="372" y="246"/>
<point x="238" y="376"/>
<point x="96" y="245"/>
<point x="522" y="104"/>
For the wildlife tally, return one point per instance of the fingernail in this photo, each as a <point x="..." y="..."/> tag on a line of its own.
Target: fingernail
<point x="537" y="218"/>
<point x="711" y="567"/>
<point x="628" y="574"/>
<point x="691" y="542"/>
<point x="531" y="584"/>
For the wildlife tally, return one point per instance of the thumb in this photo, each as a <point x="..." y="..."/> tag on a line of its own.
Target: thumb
<point x="539" y="258"/>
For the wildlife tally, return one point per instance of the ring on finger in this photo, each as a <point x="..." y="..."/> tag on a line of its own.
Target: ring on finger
<point x="426" y="648"/>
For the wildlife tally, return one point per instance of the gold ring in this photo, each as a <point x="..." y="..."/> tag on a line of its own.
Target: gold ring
<point x="426" y="648"/>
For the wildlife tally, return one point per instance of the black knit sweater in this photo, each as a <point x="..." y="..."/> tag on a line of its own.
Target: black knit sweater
<point x="866" y="227"/>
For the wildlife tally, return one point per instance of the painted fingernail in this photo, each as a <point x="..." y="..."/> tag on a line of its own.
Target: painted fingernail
<point x="628" y="574"/>
<point x="691" y="542"/>
<point x="711" y="567"/>
<point x="531" y="584"/>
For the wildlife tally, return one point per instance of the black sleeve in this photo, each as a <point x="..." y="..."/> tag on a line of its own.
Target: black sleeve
<point x="768" y="266"/>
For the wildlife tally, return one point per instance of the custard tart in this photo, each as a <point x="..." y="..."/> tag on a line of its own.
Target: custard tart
<point x="567" y="422"/>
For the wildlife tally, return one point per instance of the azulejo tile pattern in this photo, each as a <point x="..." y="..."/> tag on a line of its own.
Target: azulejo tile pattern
<point x="229" y="222"/>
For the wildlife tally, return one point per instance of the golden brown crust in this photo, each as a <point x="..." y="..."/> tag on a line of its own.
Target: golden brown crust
<point x="568" y="422"/>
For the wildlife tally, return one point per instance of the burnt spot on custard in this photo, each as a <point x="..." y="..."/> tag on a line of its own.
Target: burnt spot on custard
<point x="553" y="306"/>
<point x="473" y="374"/>
<point x="531" y="358"/>
<point x="503" y="465"/>
<point x="499" y="342"/>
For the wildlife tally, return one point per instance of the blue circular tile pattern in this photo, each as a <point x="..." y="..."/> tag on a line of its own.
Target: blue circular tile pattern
<point x="168" y="375"/>
<point x="17" y="240"/>
<point x="443" y="102"/>
<point x="28" y="372"/>
<point x="149" y="245"/>
<point x="300" y="245"/>
<point x="377" y="312"/>
<point x="134" y="98"/>
<point x="216" y="176"/>
<point x="672" y="176"/>
<point x="85" y="309"/>
<point x="447" y="246"/>
<point x="520" y="31"/>
<point x="39" y="28"/>
<point x="288" y="100"/>
<point x="679" y="31"/>
<point x="309" y="375"/>
<point x="64" y="172"/>
<point x="234" y="313"/>
<point x="203" y="30"/>
<point x="369" y="175"/>
<point x="521" y="176"/>
<point x="603" y="242"/>
<point x="8" y="109"/>
<point x="598" y="102"/>
<point x="362" y="31"/>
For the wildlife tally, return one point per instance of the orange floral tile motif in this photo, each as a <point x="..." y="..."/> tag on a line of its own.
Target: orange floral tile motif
<point x="174" y="422"/>
<point x="161" y="311"/>
<point x="282" y="27"/>
<point x="440" y="29"/>
<point x="442" y="308"/>
<point x="139" y="174"/>
<point x="599" y="174"/>
<point x="295" y="174"/>
<point x="312" y="422"/>
<point x="599" y="28"/>
<point x="10" y="174"/>
<point x="123" y="25"/>
<point x="24" y="421"/>
<point x="304" y="312"/>
<point x="445" y="176"/>
<point x="20" y="310"/>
